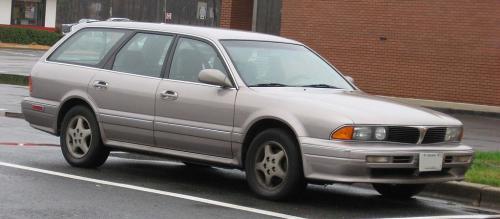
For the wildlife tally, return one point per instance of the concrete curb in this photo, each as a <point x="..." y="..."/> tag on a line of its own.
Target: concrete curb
<point x="14" y="115"/>
<point x="452" y="107"/>
<point x="11" y="114"/>
<point x="473" y="194"/>
<point x="22" y="46"/>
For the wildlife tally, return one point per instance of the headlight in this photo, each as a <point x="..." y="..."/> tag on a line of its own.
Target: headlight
<point x="453" y="134"/>
<point x="360" y="133"/>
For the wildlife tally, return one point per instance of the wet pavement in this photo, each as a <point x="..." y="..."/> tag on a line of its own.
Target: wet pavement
<point x="18" y="61"/>
<point x="36" y="182"/>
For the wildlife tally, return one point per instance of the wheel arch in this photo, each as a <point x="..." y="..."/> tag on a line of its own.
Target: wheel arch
<point x="263" y="124"/>
<point x="66" y="105"/>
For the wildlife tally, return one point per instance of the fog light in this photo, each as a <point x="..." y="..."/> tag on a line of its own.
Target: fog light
<point x="378" y="159"/>
<point x="462" y="159"/>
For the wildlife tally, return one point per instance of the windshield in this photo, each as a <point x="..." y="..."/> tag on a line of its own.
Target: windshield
<point x="270" y="64"/>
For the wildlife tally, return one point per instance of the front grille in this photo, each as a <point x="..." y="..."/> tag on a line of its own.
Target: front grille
<point x="448" y="159"/>
<point x="406" y="172"/>
<point x="401" y="134"/>
<point x="434" y="135"/>
<point x="402" y="159"/>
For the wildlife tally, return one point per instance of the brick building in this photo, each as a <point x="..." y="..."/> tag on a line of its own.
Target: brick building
<point x="446" y="50"/>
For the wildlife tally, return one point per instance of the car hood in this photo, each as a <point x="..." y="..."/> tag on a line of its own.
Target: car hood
<point x="359" y="107"/>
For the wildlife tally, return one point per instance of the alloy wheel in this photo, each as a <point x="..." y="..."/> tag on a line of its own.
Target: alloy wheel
<point x="271" y="165"/>
<point x="78" y="136"/>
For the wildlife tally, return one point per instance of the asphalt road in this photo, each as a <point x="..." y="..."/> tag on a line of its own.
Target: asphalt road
<point x="18" y="61"/>
<point x="36" y="182"/>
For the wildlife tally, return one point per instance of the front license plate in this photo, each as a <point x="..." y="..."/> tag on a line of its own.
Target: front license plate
<point x="430" y="162"/>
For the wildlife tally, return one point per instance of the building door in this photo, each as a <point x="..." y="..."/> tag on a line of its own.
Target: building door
<point x="267" y="16"/>
<point x="28" y="12"/>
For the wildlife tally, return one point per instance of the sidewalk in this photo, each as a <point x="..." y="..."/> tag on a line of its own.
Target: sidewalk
<point x="11" y="97"/>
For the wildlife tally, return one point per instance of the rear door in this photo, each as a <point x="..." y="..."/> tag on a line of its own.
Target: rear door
<point x="190" y="115"/>
<point x="125" y="93"/>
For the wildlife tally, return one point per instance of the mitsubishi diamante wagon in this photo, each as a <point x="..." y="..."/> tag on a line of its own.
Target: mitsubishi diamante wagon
<point x="264" y="104"/>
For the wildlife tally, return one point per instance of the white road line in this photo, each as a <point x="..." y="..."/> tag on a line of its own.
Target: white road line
<point x="155" y="191"/>
<point x="472" y="216"/>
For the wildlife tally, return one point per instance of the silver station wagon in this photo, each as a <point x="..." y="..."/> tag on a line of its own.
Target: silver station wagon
<point x="268" y="105"/>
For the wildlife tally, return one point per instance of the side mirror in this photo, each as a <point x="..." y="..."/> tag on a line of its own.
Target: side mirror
<point x="214" y="77"/>
<point x="350" y="79"/>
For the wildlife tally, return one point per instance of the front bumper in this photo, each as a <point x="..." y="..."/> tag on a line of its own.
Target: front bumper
<point x="334" y="161"/>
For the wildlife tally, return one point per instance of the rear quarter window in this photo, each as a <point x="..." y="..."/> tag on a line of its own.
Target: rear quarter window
<point x="87" y="46"/>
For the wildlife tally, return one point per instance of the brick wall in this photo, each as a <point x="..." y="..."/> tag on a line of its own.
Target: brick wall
<point x="442" y="50"/>
<point x="236" y="14"/>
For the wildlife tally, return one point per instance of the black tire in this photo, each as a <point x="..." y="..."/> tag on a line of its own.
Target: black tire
<point x="399" y="191"/>
<point x="97" y="153"/>
<point x="293" y="181"/>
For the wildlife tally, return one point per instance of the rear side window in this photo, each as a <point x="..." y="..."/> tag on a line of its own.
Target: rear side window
<point x="144" y="54"/>
<point x="87" y="47"/>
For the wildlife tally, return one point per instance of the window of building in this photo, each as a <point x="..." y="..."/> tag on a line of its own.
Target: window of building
<point x="144" y="55"/>
<point x="87" y="47"/>
<point x="192" y="56"/>
<point x="28" y="12"/>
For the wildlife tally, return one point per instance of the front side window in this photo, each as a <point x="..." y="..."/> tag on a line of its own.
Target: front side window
<point x="28" y="12"/>
<point x="263" y="64"/>
<point x="144" y="55"/>
<point x="87" y="47"/>
<point x="192" y="56"/>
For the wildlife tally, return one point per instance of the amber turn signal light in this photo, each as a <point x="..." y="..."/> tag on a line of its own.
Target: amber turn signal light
<point x="344" y="133"/>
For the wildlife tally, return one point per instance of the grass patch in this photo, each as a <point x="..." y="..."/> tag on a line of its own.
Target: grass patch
<point x="485" y="169"/>
<point x="13" y="79"/>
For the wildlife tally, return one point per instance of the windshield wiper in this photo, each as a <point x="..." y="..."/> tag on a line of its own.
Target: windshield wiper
<point x="321" y="86"/>
<point x="268" y="85"/>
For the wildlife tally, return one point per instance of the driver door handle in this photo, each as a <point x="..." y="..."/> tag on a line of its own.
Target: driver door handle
<point x="169" y="95"/>
<point x="100" y="85"/>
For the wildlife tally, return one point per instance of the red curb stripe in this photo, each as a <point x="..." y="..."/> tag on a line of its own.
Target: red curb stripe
<point x="20" y="144"/>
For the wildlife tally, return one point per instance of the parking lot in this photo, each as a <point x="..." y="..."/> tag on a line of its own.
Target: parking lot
<point x="36" y="181"/>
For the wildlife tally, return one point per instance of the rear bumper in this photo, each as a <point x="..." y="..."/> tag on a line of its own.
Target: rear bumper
<point x="330" y="161"/>
<point x="43" y="116"/>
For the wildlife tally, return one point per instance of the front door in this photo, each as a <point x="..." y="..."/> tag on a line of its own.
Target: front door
<point x="125" y="94"/>
<point x="190" y="115"/>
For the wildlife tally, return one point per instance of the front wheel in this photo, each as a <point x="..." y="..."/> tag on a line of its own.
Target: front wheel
<point x="81" y="140"/>
<point x="399" y="191"/>
<point x="273" y="165"/>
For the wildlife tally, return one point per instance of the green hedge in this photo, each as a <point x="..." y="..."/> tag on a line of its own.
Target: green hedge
<point x="28" y="36"/>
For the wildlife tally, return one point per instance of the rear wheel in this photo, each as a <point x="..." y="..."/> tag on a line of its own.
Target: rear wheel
<point x="273" y="165"/>
<point x="400" y="191"/>
<point x="81" y="140"/>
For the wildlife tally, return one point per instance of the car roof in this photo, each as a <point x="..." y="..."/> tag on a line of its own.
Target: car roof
<point x="207" y="32"/>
